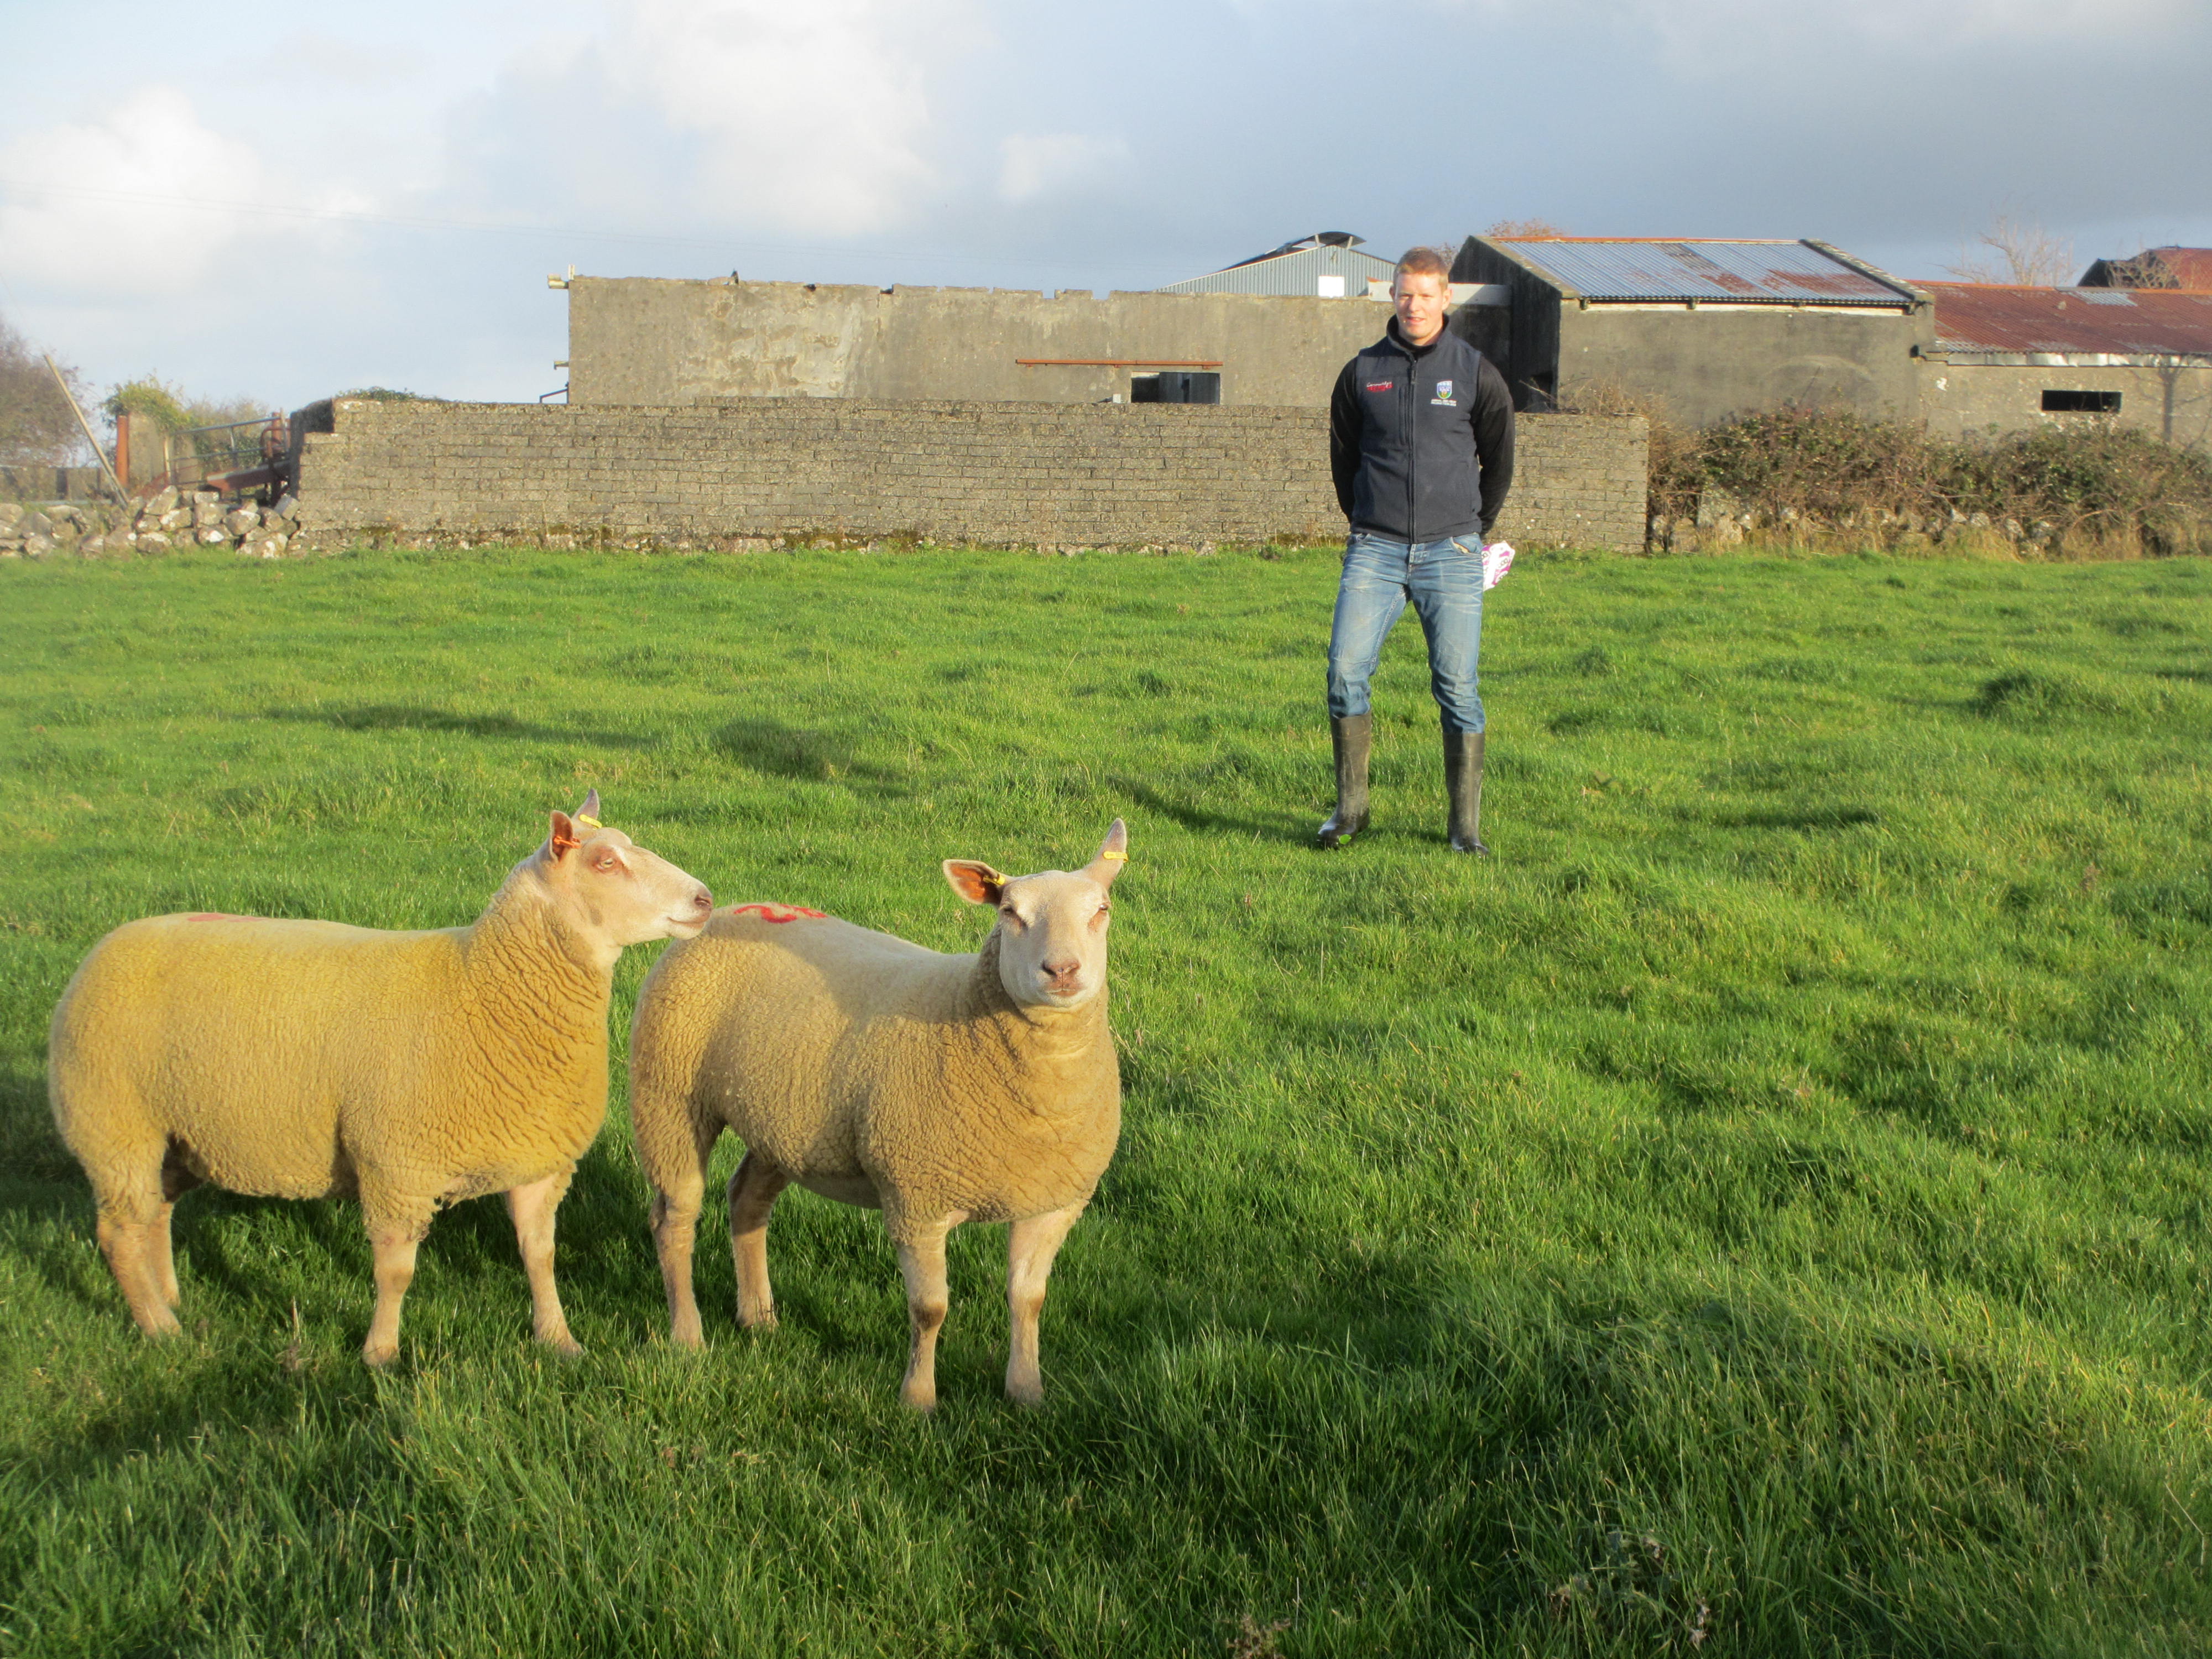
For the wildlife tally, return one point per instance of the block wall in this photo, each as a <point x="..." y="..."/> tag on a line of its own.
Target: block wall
<point x="732" y="474"/>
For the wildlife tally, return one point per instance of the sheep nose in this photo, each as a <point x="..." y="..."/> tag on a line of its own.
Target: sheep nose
<point x="702" y="900"/>
<point x="1062" y="974"/>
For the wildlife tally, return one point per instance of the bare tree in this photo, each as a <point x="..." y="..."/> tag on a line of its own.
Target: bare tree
<point x="2017" y="249"/>
<point x="1524" y="227"/>
<point x="36" y="426"/>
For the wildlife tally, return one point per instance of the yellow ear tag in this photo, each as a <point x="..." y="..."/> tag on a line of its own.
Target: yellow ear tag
<point x="588" y="822"/>
<point x="1121" y="857"/>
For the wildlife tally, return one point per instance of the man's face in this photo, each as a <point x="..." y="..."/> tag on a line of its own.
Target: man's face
<point x="1420" y="297"/>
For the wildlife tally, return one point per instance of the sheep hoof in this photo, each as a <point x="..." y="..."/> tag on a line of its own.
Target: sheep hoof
<point x="381" y="1359"/>
<point x="1029" y="1398"/>
<point x="692" y="1341"/>
<point x="564" y="1346"/>
<point x="918" y="1400"/>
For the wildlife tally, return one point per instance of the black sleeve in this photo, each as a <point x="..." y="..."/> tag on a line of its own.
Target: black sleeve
<point x="1493" y="440"/>
<point x="1345" y="418"/>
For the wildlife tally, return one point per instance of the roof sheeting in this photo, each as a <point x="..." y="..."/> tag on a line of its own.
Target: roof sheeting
<point x="2154" y="268"/>
<point x="1299" y="271"/>
<point x="2113" y="322"/>
<point x="1603" y="269"/>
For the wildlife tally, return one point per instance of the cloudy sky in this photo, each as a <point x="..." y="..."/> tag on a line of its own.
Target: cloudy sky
<point x="281" y="203"/>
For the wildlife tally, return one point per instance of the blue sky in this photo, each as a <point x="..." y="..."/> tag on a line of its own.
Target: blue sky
<point x="349" y="195"/>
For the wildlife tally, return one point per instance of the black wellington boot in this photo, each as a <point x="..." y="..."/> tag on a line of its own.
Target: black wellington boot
<point x="1463" y="784"/>
<point x="1350" y="738"/>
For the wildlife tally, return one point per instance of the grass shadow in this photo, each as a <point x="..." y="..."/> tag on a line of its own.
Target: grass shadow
<point x="1795" y="818"/>
<point x="801" y="755"/>
<point x="413" y="717"/>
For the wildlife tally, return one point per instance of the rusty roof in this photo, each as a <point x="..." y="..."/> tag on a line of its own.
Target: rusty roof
<point x="2117" y="322"/>
<point x="1716" y="272"/>
<point x="2154" y="267"/>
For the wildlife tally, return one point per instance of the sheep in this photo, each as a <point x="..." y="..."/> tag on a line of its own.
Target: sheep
<point x="939" y="1089"/>
<point x="299" y="1058"/>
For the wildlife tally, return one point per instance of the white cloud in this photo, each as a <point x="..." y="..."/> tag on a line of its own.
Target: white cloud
<point x="1034" y="166"/>
<point x="810" y="116"/>
<point x="113" y="206"/>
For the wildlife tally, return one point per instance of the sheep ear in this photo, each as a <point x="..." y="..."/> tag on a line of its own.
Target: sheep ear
<point x="563" y="839"/>
<point x="977" y="883"/>
<point x="590" y="809"/>
<point x="1113" y="853"/>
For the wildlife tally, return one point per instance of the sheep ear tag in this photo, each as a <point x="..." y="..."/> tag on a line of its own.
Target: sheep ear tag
<point x="562" y="838"/>
<point x="588" y="813"/>
<point x="974" y="881"/>
<point x="1112" y="855"/>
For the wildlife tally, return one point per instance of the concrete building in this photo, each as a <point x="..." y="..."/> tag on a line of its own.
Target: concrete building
<point x="2154" y="267"/>
<point x="647" y="341"/>
<point x="1327" y="265"/>
<point x="2009" y="359"/>
<point x="1703" y="329"/>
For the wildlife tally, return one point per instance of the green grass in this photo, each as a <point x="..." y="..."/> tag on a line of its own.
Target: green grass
<point x="1774" y="1184"/>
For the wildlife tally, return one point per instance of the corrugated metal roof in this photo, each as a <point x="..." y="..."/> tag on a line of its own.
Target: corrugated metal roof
<point x="1296" y="272"/>
<point x="1722" y="272"/>
<point x="2114" y="322"/>
<point x="2192" y="266"/>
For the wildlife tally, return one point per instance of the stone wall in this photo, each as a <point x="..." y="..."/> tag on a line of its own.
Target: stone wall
<point x="1963" y="395"/>
<point x="734" y="474"/>
<point x="649" y="341"/>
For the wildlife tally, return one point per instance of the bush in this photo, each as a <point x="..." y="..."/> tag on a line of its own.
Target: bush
<point x="36" y="424"/>
<point x="2075" y="488"/>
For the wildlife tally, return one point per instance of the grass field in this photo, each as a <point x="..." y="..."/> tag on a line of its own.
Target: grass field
<point x="1762" y="1211"/>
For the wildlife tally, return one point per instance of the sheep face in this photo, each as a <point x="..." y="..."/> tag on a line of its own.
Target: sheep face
<point x="618" y="893"/>
<point x="1052" y="926"/>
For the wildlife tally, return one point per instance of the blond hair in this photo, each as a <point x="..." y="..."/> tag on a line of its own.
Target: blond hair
<point x="1424" y="262"/>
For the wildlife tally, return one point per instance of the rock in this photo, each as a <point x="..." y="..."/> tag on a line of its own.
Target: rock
<point x="177" y="517"/>
<point x="35" y="523"/>
<point x="153" y="541"/>
<point x="11" y="515"/>
<point x="288" y="506"/>
<point x="37" y="547"/>
<point x="162" y="500"/>
<point x="273" y="547"/>
<point x="244" y="519"/>
<point x="92" y="547"/>
<point x="122" y="541"/>
<point x="206" y="515"/>
<point x="213" y="535"/>
<point x="205" y="498"/>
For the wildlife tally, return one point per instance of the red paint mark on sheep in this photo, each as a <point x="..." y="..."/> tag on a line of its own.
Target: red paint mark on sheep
<point x="779" y="912"/>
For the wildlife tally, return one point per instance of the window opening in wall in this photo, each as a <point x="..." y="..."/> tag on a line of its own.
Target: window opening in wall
<point x="2081" y="403"/>
<point x="1175" y="386"/>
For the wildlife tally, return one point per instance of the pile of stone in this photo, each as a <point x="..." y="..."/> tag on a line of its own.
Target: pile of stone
<point x="169" y="521"/>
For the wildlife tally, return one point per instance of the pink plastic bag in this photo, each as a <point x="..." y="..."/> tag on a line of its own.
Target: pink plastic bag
<point x="1496" y="560"/>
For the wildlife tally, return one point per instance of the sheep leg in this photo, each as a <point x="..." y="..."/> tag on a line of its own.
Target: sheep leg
<point x="176" y="1181"/>
<point x="128" y="1246"/>
<point x="921" y="1261"/>
<point x="532" y="1209"/>
<point x="679" y="1185"/>
<point x="394" y="1243"/>
<point x="1031" y="1244"/>
<point x="753" y="1192"/>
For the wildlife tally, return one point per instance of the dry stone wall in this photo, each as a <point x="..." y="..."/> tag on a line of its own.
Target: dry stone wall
<point x="755" y="470"/>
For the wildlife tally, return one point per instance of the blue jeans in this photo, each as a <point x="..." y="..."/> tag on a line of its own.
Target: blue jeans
<point x="1444" y="580"/>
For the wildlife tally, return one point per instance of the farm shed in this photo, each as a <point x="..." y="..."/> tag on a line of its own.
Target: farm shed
<point x="1327" y="265"/>
<point x="648" y="341"/>
<point x="2007" y="359"/>
<point x="2154" y="267"/>
<point x="1709" y="329"/>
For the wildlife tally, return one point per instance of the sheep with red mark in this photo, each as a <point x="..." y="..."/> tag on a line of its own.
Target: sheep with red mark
<point x="939" y="1089"/>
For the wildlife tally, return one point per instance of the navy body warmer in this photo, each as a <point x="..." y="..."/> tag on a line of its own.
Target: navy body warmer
<point x="1420" y="439"/>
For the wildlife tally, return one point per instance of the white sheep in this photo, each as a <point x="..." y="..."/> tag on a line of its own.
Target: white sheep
<point x="939" y="1089"/>
<point x="311" y="1059"/>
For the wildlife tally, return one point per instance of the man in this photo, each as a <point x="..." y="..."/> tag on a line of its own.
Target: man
<point x="1421" y="442"/>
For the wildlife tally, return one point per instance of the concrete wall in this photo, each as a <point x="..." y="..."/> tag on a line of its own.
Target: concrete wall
<point x="2172" y="400"/>
<point x="728" y="474"/>
<point x="1711" y="363"/>
<point x="642" y="340"/>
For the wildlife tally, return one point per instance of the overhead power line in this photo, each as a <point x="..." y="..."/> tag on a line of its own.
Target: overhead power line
<point x="725" y="244"/>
